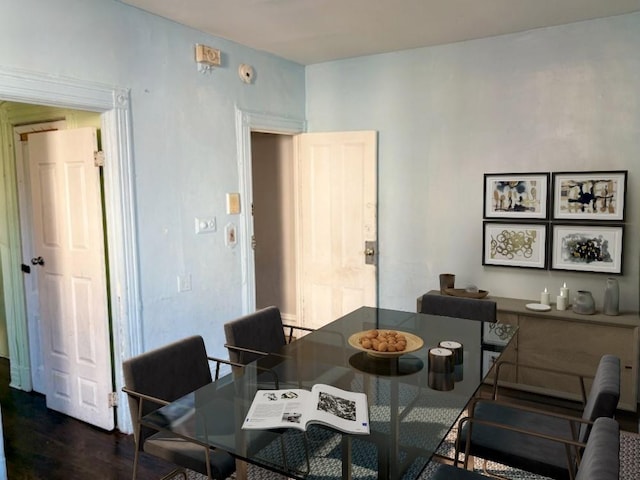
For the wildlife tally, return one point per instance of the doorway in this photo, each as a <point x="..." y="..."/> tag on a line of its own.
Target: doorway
<point x="274" y="222"/>
<point x="318" y="225"/>
<point x="112" y="104"/>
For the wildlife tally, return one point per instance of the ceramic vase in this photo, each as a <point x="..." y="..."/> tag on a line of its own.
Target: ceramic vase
<point x="447" y="280"/>
<point x="611" y="305"/>
<point x="583" y="303"/>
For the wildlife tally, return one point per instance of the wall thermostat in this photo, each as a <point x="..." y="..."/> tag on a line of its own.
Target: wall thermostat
<point x="246" y="73"/>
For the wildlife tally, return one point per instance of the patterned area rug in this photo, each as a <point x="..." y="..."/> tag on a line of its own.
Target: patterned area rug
<point x="629" y="465"/>
<point x="324" y="448"/>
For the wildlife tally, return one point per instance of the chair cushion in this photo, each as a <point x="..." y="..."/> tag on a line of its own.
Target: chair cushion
<point x="526" y="452"/>
<point x="189" y="455"/>
<point x="459" y="307"/>
<point x="261" y="330"/>
<point x="601" y="458"/>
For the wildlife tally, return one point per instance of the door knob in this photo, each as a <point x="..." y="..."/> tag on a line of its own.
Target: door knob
<point x="370" y="253"/>
<point x="37" y="261"/>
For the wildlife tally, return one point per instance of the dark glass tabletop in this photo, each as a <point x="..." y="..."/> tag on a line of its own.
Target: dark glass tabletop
<point x="412" y="402"/>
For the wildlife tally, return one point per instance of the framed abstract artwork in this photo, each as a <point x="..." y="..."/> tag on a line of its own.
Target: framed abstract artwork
<point x="516" y="196"/>
<point x="515" y="244"/>
<point x="587" y="248"/>
<point x="588" y="196"/>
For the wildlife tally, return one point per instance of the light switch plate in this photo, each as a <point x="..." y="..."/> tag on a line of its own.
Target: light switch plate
<point x="205" y="225"/>
<point x="184" y="282"/>
<point x="233" y="203"/>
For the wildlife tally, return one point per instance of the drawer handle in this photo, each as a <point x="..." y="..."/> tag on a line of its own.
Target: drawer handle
<point x="628" y="367"/>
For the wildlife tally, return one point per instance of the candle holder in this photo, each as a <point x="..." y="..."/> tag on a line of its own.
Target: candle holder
<point x="447" y="280"/>
<point x="458" y="373"/>
<point x="443" y="382"/>
<point x="456" y="348"/>
<point x="441" y="360"/>
<point x="441" y="369"/>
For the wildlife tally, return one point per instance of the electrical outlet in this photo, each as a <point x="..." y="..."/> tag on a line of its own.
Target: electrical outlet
<point x="230" y="237"/>
<point x="184" y="282"/>
<point x="205" y="225"/>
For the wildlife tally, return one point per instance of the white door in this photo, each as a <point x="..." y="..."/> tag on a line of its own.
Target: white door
<point x="337" y="224"/>
<point x="21" y="135"/>
<point x="69" y="260"/>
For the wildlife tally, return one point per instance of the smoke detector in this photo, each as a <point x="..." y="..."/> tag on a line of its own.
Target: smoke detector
<point x="245" y="72"/>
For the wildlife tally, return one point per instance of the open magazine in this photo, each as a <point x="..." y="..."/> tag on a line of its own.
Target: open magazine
<point x="297" y="408"/>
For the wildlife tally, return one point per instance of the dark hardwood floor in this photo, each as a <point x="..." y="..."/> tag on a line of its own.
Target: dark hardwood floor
<point x="43" y="444"/>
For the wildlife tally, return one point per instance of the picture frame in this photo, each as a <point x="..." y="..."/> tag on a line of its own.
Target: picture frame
<point x="515" y="244"/>
<point x="523" y="196"/>
<point x="489" y="358"/>
<point x="587" y="248"/>
<point x="590" y="196"/>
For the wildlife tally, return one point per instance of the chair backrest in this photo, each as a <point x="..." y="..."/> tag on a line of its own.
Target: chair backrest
<point x="604" y="394"/>
<point x="601" y="458"/>
<point x="167" y="373"/>
<point x="261" y="330"/>
<point x="459" y="307"/>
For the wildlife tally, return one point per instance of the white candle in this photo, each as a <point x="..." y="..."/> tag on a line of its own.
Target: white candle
<point x="564" y="291"/>
<point x="561" y="302"/>
<point x="545" y="297"/>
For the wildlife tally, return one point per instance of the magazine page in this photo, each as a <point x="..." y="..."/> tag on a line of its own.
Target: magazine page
<point x="278" y="409"/>
<point x="340" y="409"/>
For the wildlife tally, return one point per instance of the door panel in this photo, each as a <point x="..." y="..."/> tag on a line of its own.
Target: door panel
<point x="26" y="233"/>
<point x="68" y="235"/>
<point x="337" y="215"/>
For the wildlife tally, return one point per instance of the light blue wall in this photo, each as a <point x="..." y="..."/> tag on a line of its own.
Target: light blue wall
<point x="564" y="98"/>
<point x="184" y="139"/>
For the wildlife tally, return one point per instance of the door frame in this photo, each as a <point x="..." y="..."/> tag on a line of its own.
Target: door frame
<point x="247" y="122"/>
<point x="113" y="103"/>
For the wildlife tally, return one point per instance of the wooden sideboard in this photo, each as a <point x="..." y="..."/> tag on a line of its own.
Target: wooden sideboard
<point x="569" y="342"/>
<point x="562" y="339"/>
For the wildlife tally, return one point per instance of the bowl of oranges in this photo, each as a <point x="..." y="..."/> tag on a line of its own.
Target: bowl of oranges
<point x="385" y="343"/>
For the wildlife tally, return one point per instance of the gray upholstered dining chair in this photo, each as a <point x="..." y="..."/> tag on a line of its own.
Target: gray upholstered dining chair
<point x="257" y="334"/>
<point x="480" y="309"/>
<point x="514" y="435"/>
<point x="262" y="334"/>
<point x="600" y="460"/>
<point x="158" y="377"/>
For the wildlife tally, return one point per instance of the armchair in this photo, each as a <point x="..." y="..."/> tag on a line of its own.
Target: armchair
<point x="257" y="334"/>
<point x="157" y="378"/>
<point x="449" y="306"/>
<point x="522" y="437"/>
<point x="600" y="459"/>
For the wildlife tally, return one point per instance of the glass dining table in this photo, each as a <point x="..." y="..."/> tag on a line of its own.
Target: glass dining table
<point x="413" y="403"/>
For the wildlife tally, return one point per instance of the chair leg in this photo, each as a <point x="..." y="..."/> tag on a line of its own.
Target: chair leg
<point x="207" y="457"/>
<point x="135" y="462"/>
<point x="241" y="470"/>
